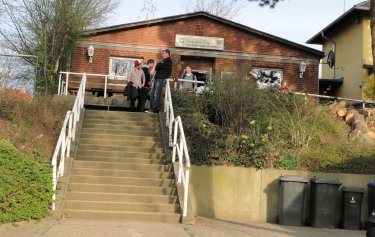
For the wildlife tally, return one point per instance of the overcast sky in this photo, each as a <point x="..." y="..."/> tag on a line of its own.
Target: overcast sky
<point x="295" y="20"/>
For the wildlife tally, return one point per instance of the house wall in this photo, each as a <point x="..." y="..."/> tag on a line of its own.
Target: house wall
<point x="247" y="195"/>
<point x="367" y="53"/>
<point x="241" y="49"/>
<point x="349" y="59"/>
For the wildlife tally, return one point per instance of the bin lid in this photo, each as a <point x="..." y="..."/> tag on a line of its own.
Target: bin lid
<point x="293" y="178"/>
<point x="371" y="218"/>
<point x="353" y="189"/>
<point x="325" y="181"/>
<point x="371" y="183"/>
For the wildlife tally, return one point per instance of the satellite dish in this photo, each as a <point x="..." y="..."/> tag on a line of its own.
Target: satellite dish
<point x="331" y="59"/>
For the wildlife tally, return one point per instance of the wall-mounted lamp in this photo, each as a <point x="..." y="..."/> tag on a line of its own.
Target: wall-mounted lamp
<point x="361" y="84"/>
<point x="302" y="69"/>
<point x="90" y="52"/>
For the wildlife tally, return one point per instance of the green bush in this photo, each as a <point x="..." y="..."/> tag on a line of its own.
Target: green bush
<point x="33" y="124"/>
<point x="206" y="141"/>
<point x="236" y="124"/>
<point x="25" y="185"/>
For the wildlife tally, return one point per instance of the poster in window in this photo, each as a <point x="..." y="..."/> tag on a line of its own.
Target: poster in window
<point x="267" y="77"/>
<point x="121" y="66"/>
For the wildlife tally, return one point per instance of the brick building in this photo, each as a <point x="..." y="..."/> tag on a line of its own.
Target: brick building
<point x="213" y="46"/>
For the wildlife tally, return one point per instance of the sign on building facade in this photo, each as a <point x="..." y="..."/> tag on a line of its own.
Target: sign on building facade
<point x="199" y="42"/>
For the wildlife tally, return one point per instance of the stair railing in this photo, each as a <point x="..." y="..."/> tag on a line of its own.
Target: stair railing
<point x="67" y="135"/>
<point x="179" y="146"/>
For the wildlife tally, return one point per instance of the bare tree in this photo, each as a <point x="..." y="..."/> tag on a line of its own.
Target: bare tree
<point x="50" y="29"/>
<point x="148" y="9"/>
<point x="223" y="8"/>
<point x="270" y="3"/>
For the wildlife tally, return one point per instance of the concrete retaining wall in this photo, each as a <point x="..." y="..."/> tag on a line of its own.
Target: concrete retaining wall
<point x="248" y="195"/>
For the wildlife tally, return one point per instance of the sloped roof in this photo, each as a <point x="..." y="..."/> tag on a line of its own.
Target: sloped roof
<point x="159" y="21"/>
<point x="336" y="25"/>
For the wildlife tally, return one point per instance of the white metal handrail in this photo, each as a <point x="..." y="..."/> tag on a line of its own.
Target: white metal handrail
<point x="179" y="146"/>
<point x="364" y="102"/>
<point x="67" y="135"/>
<point x="64" y="81"/>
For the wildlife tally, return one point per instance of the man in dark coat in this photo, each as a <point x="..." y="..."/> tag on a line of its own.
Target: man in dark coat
<point x="163" y="71"/>
<point x="145" y="92"/>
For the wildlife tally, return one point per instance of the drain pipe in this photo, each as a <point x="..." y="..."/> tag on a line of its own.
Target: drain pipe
<point x="333" y="49"/>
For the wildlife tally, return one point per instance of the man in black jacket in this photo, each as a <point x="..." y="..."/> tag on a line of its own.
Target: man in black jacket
<point x="145" y="92"/>
<point x="163" y="71"/>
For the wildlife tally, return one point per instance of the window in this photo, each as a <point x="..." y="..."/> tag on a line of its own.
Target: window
<point x="120" y="66"/>
<point x="267" y="77"/>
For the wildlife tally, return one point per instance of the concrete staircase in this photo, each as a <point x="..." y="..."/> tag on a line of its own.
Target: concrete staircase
<point x="119" y="172"/>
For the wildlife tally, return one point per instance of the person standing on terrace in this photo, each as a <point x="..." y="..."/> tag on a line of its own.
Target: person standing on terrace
<point x="137" y="77"/>
<point x="163" y="70"/>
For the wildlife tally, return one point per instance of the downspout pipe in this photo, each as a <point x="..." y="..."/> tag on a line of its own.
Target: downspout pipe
<point x="333" y="49"/>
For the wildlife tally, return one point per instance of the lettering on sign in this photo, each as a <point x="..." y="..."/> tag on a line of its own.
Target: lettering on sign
<point x="199" y="42"/>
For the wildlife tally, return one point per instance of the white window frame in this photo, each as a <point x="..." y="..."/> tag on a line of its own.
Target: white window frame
<point x="126" y="70"/>
<point x="263" y="85"/>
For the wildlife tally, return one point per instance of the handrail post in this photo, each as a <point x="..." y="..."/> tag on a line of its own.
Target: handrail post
<point x="105" y="86"/>
<point x="180" y="154"/>
<point x="59" y="86"/>
<point x="67" y="83"/>
<point x="69" y="133"/>
<point x="186" y="191"/>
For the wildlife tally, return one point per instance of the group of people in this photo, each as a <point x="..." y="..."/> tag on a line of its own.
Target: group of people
<point x="148" y="81"/>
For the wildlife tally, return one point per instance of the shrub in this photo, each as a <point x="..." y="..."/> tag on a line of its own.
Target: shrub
<point x="33" y="125"/>
<point x="25" y="185"/>
<point x="236" y="124"/>
<point x="369" y="89"/>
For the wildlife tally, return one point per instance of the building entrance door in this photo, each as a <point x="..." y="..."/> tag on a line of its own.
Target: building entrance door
<point x="202" y="67"/>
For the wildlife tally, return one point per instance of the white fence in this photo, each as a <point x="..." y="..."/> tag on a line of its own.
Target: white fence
<point x="179" y="146"/>
<point x="64" y="81"/>
<point x="67" y="135"/>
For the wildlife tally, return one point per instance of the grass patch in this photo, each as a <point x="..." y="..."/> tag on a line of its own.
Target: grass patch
<point x="32" y="126"/>
<point x="25" y="185"/>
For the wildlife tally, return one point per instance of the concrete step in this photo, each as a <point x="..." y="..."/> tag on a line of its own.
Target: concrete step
<point x="125" y="189"/>
<point x="113" y="142"/>
<point x="122" y="173"/>
<point x="121" y="216"/>
<point x="122" y="206"/>
<point x="90" y="179"/>
<point x="121" y="127"/>
<point x="102" y="114"/>
<point x="120" y="197"/>
<point x="122" y="137"/>
<point x="121" y="160"/>
<point x="84" y="147"/>
<point x="116" y="121"/>
<point x="115" y="132"/>
<point x="121" y="166"/>
<point x="124" y="154"/>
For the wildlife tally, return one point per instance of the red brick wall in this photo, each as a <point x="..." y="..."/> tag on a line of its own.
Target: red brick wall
<point x="235" y="40"/>
<point x="309" y="82"/>
<point x="238" y="41"/>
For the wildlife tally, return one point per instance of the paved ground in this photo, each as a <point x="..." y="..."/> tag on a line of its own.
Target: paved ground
<point x="203" y="227"/>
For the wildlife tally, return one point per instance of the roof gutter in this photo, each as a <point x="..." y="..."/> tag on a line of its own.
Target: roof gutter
<point x="333" y="49"/>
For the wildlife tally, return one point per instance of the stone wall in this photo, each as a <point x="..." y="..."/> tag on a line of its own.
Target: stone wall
<point x="248" y="195"/>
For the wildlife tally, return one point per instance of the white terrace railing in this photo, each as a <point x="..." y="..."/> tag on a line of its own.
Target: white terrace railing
<point x="64" y="77"/>
<point x="179" y="146"/>
<point x="67" y="135"/>
<point x="363" y="102"/>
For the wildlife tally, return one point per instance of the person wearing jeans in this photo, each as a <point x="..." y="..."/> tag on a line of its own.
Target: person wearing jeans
<point x="162" y="72"/>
